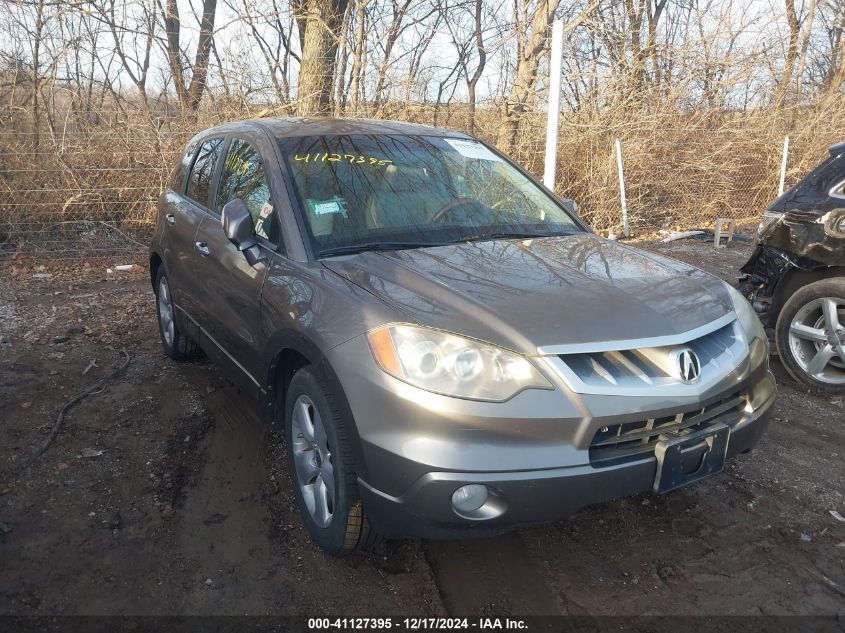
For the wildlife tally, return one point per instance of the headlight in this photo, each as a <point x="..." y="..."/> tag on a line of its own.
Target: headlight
<point x="451" y="365"/>
<point x="769" y="219"/>
<point x="746" y="316"/>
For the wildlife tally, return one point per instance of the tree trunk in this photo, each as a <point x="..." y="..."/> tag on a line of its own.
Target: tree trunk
<point x="340" y="75"/>
<point x="808" y="31"/>
<point x="839" y="78"/>
<point x="358" y="55"/>
<point x="638" y="55"/>
<point x="36" y="78"/>
<point x="392" y="36"/>
<point x="189" y="96"/>
<point x="516" y="103"/>
<point x="835" y="74"/>
<point x="482" y="61"/>
<point x="791" y="53"/>
<point x="172" y="29"/>
<point x="316" y="70"/>
<point x="204" y="44"/>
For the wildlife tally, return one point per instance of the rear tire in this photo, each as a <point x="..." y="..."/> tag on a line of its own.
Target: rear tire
<point x="175" y="344"/>
<point x="810" y="335"/>
<point x="321" y="467"/>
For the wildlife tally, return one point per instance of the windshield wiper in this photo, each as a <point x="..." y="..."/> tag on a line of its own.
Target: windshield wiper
<point x="515" y="235"/>
<point x="350" y="249"/>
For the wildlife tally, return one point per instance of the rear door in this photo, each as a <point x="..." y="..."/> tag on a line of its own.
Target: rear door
<point x="230" y="287"/>
<point x="186" y="212"/>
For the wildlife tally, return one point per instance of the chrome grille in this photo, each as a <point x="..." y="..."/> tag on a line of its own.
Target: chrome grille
<point x="630" y="371"/>
<point x="620" y="442"/>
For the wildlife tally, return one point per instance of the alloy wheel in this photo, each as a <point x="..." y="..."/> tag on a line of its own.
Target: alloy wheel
<point x="313" y="461"/>
<point x="817" y="339"/>
<point x="165" y="311"/>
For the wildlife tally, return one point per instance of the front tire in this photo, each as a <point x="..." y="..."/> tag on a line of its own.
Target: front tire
<point x="321" y="467"/>
<point x="175" y="344"/>
<point x="810" y="335"/>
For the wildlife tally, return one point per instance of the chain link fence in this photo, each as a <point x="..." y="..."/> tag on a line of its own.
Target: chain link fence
<point x="86" y="183"/>
<point x="676" y="177"/>
<point x="86" y="187"/>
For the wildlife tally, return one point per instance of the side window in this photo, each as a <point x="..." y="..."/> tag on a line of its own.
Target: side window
<point x="203" y="171"/>
<point x="177" y="181"/>
<point x="244" y="177"/>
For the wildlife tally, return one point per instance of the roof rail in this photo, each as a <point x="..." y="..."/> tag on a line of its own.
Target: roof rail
<point x="837" y="148"/>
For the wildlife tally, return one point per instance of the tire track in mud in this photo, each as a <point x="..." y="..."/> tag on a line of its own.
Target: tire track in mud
<point x="237" y="531"/>
<point x="491" y="577"/>
<point x="495" y="577"/>
<point x="224" y="521"/>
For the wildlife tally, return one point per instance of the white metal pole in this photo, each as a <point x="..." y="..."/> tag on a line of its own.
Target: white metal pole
<point x="550" y="167"/>
<point x="626" y="230"/>
<point x="783" y="165"/>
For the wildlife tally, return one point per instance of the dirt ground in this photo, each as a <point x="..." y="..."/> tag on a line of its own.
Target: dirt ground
<point x="163" y="494"/>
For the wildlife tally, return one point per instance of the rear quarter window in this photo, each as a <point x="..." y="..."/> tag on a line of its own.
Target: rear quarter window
<point x="180" y="174"/>
<point x="199" y="182"/>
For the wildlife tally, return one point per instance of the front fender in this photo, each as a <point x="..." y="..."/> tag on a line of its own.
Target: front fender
<point x="278" y="372"/>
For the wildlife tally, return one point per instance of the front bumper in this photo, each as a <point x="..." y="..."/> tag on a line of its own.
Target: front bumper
<point x="532" y="497"/>
<point x="532" y="452"/>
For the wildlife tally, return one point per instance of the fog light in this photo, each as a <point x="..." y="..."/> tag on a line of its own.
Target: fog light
<point x="469" y="498"/>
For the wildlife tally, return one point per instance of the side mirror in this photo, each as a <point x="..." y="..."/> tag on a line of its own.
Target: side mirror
<point x="570" y="205"/>
<point x="238" y="225"/>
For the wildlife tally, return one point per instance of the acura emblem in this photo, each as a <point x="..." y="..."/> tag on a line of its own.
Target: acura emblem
<point x="689" y="367"/>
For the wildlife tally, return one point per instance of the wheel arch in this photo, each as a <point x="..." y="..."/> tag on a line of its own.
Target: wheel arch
<point x="795" y="279"/>
<point x="155" y="263"/>
<point x="287" y="352"/>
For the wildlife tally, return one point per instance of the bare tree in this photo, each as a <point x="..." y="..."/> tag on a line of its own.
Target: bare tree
<point x="472" y="81"/>
<point x="642" y="15"/>
<point x="320" y="22"/>
<point x="832" y="72"/>
<point x="189" y="94"/>
<point x="133" y="31"/>
<point x="270" y="23"/>
<point x="794" y="25"/>
<point x="398" y="12"/>
<point x="358" y="55"/>
<point x="805" y="44"/>
<point x="532" y="25"/>
<point x="466" y="40"/>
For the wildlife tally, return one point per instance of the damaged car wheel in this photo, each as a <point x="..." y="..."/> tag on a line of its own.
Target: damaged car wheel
<point x="810" y="335"/>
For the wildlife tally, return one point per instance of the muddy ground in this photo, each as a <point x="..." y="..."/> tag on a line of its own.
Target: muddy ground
<point x="164" y="494"/>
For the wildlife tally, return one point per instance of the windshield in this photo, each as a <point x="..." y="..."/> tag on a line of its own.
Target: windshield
<point x="365" y="192"/>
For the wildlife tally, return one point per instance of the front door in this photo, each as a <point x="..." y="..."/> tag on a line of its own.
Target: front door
<point x="230" y="286"/>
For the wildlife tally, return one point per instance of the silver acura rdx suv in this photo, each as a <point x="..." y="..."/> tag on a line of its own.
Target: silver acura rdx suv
<point x="449" y="350"/>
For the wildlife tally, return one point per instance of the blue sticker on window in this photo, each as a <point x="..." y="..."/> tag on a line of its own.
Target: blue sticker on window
<point x="328" y="207"/>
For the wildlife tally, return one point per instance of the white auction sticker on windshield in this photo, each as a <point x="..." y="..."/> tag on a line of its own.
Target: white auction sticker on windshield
<point x="471" y="149"/>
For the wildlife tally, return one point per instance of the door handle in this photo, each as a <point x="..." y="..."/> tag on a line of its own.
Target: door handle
<point x="171" y="219"/>
<point x="202" y="247"/>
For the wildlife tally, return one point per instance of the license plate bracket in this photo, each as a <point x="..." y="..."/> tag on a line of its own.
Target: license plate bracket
<point x="683" y="459"/>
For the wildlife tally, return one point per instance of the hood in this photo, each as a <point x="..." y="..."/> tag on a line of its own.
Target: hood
<point x="523" y="294"/>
